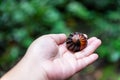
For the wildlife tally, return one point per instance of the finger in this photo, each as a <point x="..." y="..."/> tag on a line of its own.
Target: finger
<point x="91" y="47"/>
<point x="82" y="63"/>
<point x="90" y="42"/>
<point x="58" y="38"/>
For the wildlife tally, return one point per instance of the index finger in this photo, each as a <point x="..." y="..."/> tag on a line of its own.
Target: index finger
<point x="58" y="38"/>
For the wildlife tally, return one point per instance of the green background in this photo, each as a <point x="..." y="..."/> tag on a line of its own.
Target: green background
<point x="22" y="21"/>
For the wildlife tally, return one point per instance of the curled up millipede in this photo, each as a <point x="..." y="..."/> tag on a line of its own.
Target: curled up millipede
<point x="76" y="41"/>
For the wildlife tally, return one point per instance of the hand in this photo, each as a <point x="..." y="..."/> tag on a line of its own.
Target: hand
<point x="47" y="58"/>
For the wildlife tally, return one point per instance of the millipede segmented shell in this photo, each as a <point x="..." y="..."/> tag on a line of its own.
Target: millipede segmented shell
<point x="76" y="42"/>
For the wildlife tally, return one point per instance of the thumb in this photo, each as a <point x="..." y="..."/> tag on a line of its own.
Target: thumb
<point x="58" y="38"/>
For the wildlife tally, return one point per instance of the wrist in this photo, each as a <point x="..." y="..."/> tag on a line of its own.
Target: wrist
<point x="26" y="70"/>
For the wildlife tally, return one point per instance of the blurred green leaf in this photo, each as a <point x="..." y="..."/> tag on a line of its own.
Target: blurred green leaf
<point x="26" y="42"/>
<point x="115" y="56"/>
<point x="27" y="8"/>
<point x="114" y="15"/>
<point x="78" y="9"/>
<point x="51" y="15"/>
<point x="14" y="53"/>
<point x="20" y="34"/>
<point x="60" y="27"/>
<point x="109" y="70"/>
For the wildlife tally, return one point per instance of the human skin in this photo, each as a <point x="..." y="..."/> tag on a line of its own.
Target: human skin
<point x="47" y="58"/>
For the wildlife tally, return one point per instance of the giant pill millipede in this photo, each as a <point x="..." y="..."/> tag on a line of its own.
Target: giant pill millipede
<point x="76" y="42"/>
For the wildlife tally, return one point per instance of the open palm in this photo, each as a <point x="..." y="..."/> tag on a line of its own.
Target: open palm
<point x="58" y="62"/>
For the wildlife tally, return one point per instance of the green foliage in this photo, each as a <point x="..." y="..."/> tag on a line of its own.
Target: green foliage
<point x="78" y="10"/>
<point x="109" y="70"/>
